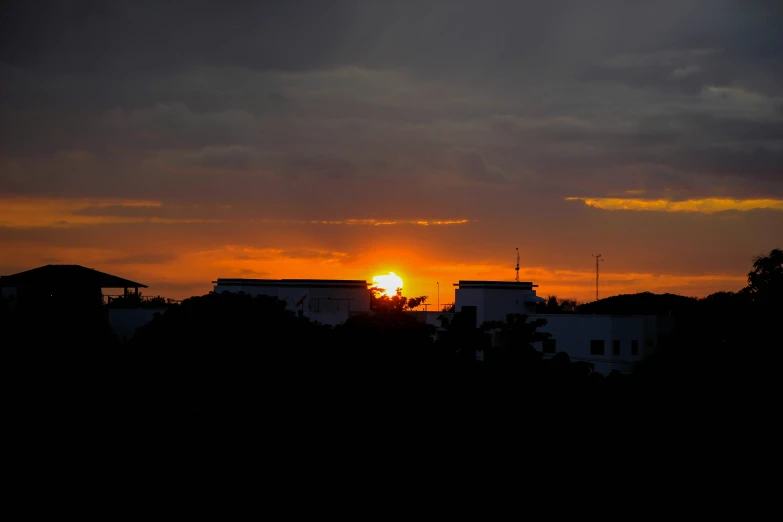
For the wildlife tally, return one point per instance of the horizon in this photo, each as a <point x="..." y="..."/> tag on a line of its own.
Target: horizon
<point x="447" y="292"/>
<point x="348" y="139"/>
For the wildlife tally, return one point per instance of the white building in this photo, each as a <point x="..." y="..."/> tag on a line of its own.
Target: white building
<point x="494" y="300"/>
<point x="328" y="301"/>
<point x="609" y="342"/>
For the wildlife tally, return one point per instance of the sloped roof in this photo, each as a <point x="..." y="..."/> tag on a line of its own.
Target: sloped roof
<point x="70" y="275"/>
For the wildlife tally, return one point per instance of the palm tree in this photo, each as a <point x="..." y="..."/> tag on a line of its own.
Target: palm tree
<point x="514" y="337"/>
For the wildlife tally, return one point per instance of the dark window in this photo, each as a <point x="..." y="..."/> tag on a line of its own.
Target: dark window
<point x="469" y="315"/>
<point x="615" y="347"/>
<point x="634" y="347"/>
<point x="550" y="346"/>
<point x="596" y="347"/>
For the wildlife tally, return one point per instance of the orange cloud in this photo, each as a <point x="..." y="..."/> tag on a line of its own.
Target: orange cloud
<point x="370" y="222"/>
<point x="704" y="206"/>
<point x="25" y="212"/>
<point x="53" y="212"/>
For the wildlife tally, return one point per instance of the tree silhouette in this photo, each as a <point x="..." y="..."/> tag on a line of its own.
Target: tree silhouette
<point x="459" y="339"/>
<point x="515" y="337"/>
<point x="551" y="305"/>
<point x="415" y="302"/>
<point x="555" y="305"/>
<point x="214" y="352"/>
<point x="382" y="303"/>
<point x="765" y="280"/>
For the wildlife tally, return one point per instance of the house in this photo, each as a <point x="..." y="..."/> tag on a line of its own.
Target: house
<point x="327" y="301"/>
<point x="75" y="289"/>
<point x="63" y="285"/>
<point x="608" y="342"/>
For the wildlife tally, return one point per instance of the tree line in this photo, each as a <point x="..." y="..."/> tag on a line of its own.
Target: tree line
<point x="217" y="356"/>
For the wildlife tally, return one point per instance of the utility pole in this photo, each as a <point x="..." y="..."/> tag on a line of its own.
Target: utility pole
<point x="517" y="269"/>
<point x="438" y="283"/>
<point x="597" y="258"/>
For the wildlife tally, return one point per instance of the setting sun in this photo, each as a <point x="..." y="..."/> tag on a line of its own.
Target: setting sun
<point x="389" y="283"/>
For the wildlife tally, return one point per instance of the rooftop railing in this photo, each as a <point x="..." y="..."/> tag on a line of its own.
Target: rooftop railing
<point x="137" y="301"/>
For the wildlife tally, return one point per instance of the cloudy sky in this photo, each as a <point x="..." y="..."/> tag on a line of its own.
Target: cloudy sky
<point x="177" y="142"/>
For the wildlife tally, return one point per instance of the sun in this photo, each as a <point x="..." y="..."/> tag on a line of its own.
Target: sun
<point x="389" y="283"/>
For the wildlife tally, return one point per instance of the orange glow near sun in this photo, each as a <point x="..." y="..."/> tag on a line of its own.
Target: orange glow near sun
<point x="389" y="283"/>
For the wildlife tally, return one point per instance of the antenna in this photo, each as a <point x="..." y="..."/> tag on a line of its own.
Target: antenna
<point x="517" y="269"/>
<point x="597" y="258"/>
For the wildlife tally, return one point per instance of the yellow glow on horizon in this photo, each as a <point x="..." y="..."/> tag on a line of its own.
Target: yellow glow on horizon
<point x="184" y="270"/>
<point x="704" y="206"/>
<point x="389" y="283"/>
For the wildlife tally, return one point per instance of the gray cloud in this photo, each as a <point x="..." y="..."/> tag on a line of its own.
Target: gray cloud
<point x="474" y="165"/>
<point x="321" y="167"/>
<point x="142" y="259"/>
<point x="244" y="103"/>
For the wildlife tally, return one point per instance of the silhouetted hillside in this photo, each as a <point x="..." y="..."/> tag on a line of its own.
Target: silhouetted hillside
<point x="644" y="303"/>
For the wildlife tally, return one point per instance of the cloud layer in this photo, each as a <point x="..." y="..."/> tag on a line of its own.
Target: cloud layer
<point x="252" y="123"/>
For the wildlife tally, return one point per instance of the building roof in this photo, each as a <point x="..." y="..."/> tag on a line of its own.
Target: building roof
<point x="499" y="285"/>
<point x="310" y="283"/>
<point x="70" y="275"/>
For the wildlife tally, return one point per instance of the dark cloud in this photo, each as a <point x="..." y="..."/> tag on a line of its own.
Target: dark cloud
<point x="759" y="161"/>
<point x="89" y="37"/>
<point x="233" y="111"/>
<point x="142" y="259"/>
<point x="321" y="167"/>
<point x="313" y="254"/>
<point x="247" y="272"/>
<point x="475" y="166"/>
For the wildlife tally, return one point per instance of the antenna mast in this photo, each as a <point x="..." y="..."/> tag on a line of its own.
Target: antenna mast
<point x="517" y="269"/>
<point x="597" y="258"/>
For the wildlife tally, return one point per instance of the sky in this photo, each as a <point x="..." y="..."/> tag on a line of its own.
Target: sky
<point x="174" y="143"/>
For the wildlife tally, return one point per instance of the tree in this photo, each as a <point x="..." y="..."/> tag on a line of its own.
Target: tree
<point x="415" y="302"/>
<point x="221" y="349"/>
<point x="459" y="339"/>
<point x="555" y="305"/>
<point x="567" y="305"/>
<point x="551" y="305"/>
<point x="516" y="335"/>
<point x="382" y="303"/>
<point x="765" y="280"/>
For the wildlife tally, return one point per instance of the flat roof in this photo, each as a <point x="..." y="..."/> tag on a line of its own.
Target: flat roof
<point x="505" y="285"/>
<point x="323" y="283"/>
<point x="612" y="316"/>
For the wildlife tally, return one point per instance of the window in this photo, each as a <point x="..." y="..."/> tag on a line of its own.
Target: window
<point x="549" y="346"/>
<point x="634" y="347"/>
<point x="596" y="347"/>
<point x="615" y="347"/>
<point x="469" y="315"/>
